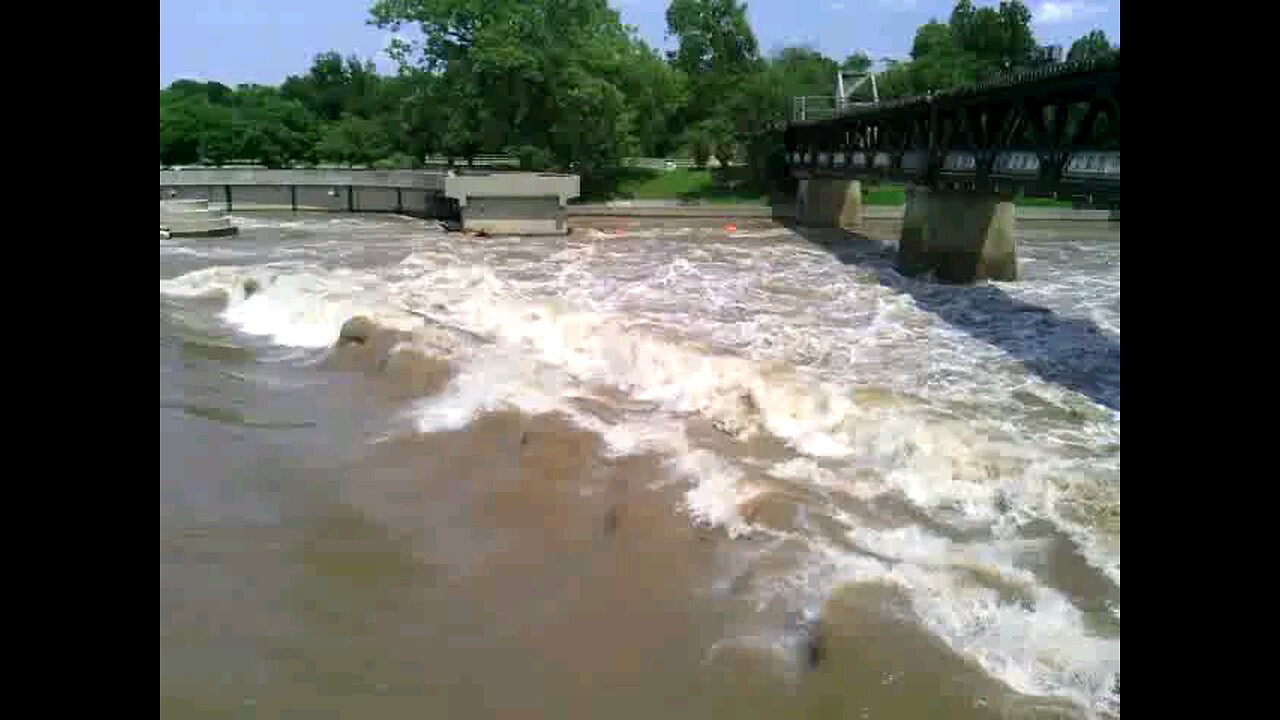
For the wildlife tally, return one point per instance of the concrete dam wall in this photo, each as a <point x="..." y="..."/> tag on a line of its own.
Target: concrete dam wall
<point x="409" y="192"/>
<point x="494" y="202"/>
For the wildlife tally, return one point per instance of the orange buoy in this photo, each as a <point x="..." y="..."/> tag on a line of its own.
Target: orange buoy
<point x="730" y="228"/>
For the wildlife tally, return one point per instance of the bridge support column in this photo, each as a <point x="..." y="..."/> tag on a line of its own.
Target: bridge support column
<point x="829" y="202"/>
<point x="960" y="236"/>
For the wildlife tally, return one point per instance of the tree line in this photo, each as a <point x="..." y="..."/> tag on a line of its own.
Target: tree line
<point x="564" y="85"/>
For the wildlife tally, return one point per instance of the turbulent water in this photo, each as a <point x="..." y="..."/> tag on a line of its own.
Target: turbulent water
<point x="662" y="471"/>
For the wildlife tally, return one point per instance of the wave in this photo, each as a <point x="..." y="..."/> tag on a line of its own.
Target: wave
<point x="511" y="346"/>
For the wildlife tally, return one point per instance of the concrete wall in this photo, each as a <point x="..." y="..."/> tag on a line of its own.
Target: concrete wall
<point x="509" y="185"/>
<point x="408" y="192"/>
<point x="513" y="203"/>
<point x="515" y="215"/>
<point x="420" y="179"/>
<point x="193" y="218"/>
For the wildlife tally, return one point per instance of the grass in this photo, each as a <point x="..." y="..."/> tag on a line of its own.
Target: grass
<point x="883" y="195"/>
<point x="718" y="186"/>
<point x="687" y="185"/>
<point x="892" y="194"/>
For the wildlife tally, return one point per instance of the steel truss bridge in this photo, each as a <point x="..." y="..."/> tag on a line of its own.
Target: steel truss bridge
<point x="1052" y="132"/>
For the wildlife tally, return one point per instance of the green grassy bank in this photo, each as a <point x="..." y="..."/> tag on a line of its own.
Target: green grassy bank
<point x="707" y="186"/>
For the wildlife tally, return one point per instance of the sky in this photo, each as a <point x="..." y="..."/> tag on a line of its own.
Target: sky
<point x="263" y="41"/>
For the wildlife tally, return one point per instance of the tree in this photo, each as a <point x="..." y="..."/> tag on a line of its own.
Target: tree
<point x="997" y="40"/>
<point x="938" y="60"/>
<point x="193" y="128"/>
<point x="413" y="119"/>
<point x="762" y="108"/>
<point x="716" y="50"/>
<point x="562" y="84"/>
<point x="211" y="92"/>
<point x="353" y="141"/>
<point x="536" y="73"/>
<point x="858" y="62"/>
<point x="1091" y="47"/>
<point x="334" y="86"/>
<point x="975" y="44"/>
<point x="804" y="71"/>
<point x="271" y="129"/>
<point x="714" y="37"/>
<point x="179" y="130"/>
<point x="656" y="93"/>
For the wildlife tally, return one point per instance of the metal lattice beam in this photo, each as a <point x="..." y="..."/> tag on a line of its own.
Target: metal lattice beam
<point x="1045" y="132"/>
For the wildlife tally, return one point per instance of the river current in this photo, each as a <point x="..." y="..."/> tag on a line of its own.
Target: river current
<point x="661" y="472"/>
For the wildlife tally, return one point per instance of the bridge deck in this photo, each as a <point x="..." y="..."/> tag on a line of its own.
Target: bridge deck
<point x="1049" y="131"/>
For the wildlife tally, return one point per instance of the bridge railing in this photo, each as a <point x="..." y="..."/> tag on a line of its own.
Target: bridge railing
<point x="822" y="107"/>
<point x="813" y="107"/>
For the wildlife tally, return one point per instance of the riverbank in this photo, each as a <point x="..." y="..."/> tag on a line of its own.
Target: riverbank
<point x="787" y="211"/>
<point x="729" y="188"/>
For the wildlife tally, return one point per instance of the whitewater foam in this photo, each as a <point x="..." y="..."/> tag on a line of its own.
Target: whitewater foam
<point x="700" y="335"/>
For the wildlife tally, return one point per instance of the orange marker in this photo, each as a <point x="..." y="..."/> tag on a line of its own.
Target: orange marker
<point x="730" y="228"/>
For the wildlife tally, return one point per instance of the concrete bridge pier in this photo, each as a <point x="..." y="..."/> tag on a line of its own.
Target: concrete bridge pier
<point x="960" y="236"/>
<point x="829" y="202"/>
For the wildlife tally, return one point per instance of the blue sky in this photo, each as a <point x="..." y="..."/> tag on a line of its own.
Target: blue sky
<point x="262" y="41"/>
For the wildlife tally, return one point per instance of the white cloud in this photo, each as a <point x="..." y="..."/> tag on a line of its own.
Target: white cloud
<point x="1053" y="12"/>
<point x="837" y="6"/>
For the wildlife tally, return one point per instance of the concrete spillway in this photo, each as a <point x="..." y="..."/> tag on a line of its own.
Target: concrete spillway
<point x="193" y="218"/>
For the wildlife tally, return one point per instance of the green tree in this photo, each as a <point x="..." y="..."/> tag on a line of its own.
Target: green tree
<point x="804" y="71"/>
<point x="898" y="81"/>
<point x="271" y="129"/>
<point x="414" y="120"/>
<point x="997" y="39"/>
<point x="211" y="92"/>
<point x="353" y="141"/>
<point x="858" y="62"/>
<point x="716" y="51"/>
<point x="217" y="136"/>
<point x="763" y="106"/>
<point x="537" y="73"/>
<point x="1091" y="47"/>
<point x="180" y="126"/>
<point x="656" y="92"/>
<point x="334" y="86"/>
<point x="715" y="37"/>
<point x="938" y="60"/>
<point x="192" y="127"/>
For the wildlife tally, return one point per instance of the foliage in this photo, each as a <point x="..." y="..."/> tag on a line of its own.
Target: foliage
<point x="564" y="85"/>
<point x="858" y="62"/>
<point x="1093" y="46"/>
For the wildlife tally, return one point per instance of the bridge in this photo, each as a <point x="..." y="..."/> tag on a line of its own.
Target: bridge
<point x="964" y="154"/>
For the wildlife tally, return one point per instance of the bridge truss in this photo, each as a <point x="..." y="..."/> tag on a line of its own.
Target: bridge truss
<point x="1048" y="132"/>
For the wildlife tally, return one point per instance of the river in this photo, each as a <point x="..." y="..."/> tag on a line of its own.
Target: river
<point x="676" y="472"/>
